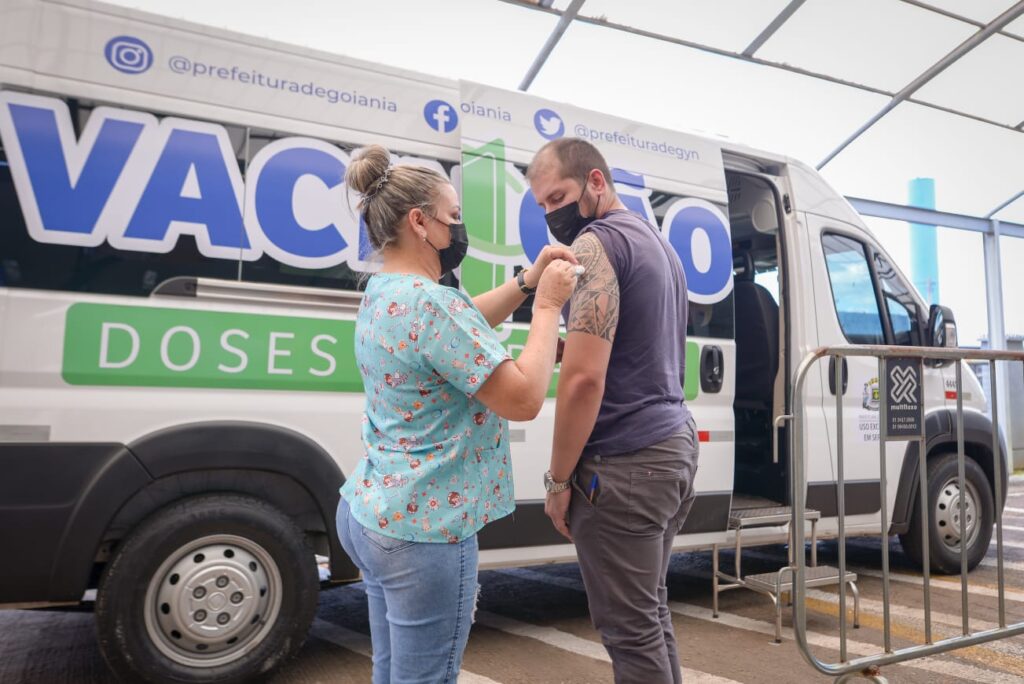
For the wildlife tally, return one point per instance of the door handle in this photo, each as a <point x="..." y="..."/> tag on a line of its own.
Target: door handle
<point x="712" y="369"/>
<point x="775" y="435"/>
<point x="832" y="375"/>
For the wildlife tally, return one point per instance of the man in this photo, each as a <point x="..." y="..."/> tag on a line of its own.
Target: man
<point x="625" y="445"/>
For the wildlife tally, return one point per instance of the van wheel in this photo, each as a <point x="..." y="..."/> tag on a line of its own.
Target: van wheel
<point x="215" y="588"/>
<point x="944" y="516"/>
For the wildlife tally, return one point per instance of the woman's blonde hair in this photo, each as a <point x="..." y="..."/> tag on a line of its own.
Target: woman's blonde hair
<point x="389" y="192"/>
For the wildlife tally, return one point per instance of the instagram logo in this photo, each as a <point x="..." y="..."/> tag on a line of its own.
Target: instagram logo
<point x="128" y="55"/>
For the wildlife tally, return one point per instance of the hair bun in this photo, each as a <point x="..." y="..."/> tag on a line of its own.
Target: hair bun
<point x="368" y="166"/>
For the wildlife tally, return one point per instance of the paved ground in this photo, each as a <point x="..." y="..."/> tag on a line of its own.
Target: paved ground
<point x="533" y="627"/>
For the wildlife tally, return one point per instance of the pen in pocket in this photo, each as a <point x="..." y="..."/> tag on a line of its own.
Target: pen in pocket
<point x="593" y="488"/>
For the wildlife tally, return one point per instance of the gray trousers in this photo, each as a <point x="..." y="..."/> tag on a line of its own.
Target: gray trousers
<point x="624" y="543"/>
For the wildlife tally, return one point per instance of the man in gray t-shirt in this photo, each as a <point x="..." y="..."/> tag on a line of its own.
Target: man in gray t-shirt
<point x="625" y="446"/>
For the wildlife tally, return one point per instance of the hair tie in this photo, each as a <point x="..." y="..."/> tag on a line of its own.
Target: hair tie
<point x="380" y="183"/>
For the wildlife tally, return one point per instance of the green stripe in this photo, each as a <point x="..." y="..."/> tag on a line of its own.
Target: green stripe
<point x="158" y="347"/>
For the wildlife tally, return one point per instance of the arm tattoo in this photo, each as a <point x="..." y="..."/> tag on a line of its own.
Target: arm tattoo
<point x="594" y="306"/>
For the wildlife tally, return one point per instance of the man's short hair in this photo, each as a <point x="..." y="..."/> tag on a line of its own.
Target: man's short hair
<point x="576" y="158"/>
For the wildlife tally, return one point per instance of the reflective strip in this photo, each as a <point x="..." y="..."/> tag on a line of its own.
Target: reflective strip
<point x="951" y="395"/>
<point x="24" y="433"/>
<point x="716" y="435"/>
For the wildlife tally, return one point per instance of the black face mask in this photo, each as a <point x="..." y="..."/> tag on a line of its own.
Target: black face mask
<point x="452" y="255"/>
<point x="565" y="223"/>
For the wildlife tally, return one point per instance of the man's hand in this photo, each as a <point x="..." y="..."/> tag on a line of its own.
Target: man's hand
<point x="556" y="506"/>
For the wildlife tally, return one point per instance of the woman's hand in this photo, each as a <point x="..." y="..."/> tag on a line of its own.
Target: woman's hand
<point x="556" y="285"/>
<point x="547" y="255"/>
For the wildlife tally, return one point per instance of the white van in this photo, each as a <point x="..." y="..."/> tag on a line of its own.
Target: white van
<point x="179" y="273"/>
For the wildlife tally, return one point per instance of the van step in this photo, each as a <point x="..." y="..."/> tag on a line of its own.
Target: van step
<point x="765" y="517"/>
<point x="818" y="576"/>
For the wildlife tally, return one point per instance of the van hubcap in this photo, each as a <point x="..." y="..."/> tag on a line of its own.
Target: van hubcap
<point x="212" y="601"/>
<point x="947" y="514"/>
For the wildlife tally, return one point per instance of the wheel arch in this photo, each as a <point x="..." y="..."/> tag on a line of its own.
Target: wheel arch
<point x="940" y="438"/>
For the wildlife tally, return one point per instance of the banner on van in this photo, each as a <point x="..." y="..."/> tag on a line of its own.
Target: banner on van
<point x="139" y="184"/>
<point x="249" y="76"/>
<point x="503" y="130"/>
<point x="672" y="160"/>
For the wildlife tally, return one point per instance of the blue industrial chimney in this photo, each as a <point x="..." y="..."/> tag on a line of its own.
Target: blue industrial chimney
<point x="924" y="248"/>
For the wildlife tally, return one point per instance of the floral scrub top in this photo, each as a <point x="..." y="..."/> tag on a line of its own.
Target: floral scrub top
<point x="436" y="467"/>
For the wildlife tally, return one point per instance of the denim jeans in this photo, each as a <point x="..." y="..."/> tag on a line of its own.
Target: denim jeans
<point x="421" y="598"/>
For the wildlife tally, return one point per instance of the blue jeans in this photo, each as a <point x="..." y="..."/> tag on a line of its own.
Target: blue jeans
<point x="421" y="597"/>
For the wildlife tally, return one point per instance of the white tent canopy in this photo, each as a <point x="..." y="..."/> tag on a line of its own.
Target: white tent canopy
<point x="949" y="84"/>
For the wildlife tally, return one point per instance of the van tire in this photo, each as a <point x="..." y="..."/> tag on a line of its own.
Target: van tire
<point x="942" y="497"/>
<point x="161" y="615"/>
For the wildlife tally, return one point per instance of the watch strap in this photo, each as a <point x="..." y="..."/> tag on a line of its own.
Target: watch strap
<point x="552" y="486"/>
<point x="521" y="282"/>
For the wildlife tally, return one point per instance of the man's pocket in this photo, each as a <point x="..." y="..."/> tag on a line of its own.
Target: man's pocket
<point x="654" y="498"/>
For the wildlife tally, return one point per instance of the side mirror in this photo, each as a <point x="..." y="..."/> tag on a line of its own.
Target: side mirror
<point x="941" y="327"/>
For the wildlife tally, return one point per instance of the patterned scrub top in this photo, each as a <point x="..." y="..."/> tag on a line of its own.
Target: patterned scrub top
<point x="437" y="466"/>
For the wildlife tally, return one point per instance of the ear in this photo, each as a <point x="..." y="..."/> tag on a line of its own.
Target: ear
<point x="597" y="179"/>
<point x="417" y="222"/>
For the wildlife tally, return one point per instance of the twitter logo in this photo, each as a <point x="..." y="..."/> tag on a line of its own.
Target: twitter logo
<point x="548" y="124"/>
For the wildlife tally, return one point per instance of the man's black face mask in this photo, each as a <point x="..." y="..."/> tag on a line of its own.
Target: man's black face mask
<point x="565" y="223"/>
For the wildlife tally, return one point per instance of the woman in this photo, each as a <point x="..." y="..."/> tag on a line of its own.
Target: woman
<point x="440" y="389"/>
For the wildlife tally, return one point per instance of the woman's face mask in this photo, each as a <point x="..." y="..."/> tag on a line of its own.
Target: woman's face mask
<point x="452" y="255"/>
<point x="565" y="223"/>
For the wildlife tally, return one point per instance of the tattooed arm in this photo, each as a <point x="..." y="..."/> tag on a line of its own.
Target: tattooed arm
<point x="593" y="317"/>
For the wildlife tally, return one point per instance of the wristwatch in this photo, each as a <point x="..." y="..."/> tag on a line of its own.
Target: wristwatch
<point x="521" y="282"/>
<point x="553" y="487"/>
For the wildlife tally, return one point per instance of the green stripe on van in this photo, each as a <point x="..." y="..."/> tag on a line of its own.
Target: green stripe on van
<point x="159" y="347"/>
<point x="691" y="383"/>
<point x="138" y="346"/>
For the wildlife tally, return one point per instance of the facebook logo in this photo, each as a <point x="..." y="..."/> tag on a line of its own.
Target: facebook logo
<point x="441" y="116"/>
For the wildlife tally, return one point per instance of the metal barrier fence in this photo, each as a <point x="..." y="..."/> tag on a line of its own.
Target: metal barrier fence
<point x="893" y="363"/>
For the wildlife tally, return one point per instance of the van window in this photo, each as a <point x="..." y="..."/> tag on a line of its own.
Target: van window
<point x="900" y="305"/>
<point x="26" y="263"/>
<point x="852" y="290"/>
<point x="769" y="280"/>
<point x="267" y="269"/>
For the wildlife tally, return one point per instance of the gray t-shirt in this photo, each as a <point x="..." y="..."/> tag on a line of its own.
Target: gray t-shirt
<point x="643" y="401"/>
